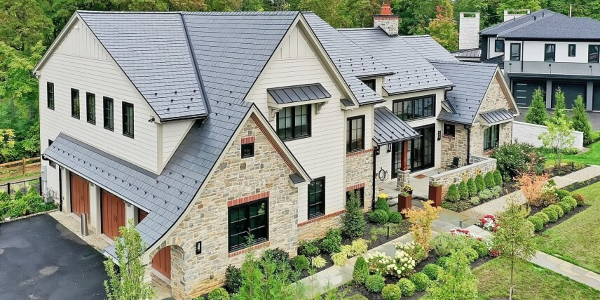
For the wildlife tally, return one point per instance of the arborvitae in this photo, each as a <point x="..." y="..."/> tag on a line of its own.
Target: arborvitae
<point x="581" y="121"/>
<point x="537" y="113"/>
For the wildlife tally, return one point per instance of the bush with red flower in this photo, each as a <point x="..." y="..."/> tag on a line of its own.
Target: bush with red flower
<point x="488" y="222"/>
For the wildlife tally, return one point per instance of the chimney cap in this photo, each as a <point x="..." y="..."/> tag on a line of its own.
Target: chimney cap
<point x="386" y="9"/>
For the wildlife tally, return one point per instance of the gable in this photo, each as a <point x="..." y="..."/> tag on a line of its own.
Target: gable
<point x="498" y="96"/>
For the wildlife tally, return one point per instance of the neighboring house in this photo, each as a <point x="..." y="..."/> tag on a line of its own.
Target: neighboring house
<point x="547" y="50"/>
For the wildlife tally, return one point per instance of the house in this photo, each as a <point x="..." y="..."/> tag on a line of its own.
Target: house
<point x="207" y="127"/>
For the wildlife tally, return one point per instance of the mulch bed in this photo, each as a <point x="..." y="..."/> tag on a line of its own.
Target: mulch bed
<point x="565" y="169"/>
<point x="565" y="217"/>
<point x="462" y="205"/>
<point x="581" y="184"/>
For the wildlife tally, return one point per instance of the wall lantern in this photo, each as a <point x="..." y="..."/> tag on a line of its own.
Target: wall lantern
<point x="377" y="150"/>
<point x="389" y="147"/>
<point x="439" y="135"/>
<point x="198" y="247"/>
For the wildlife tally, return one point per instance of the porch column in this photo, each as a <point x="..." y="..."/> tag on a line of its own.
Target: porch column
<point x="403" y="173"/>
<point x="129" y="213"/>
<point x="66" y="187"/>
<point x="404" y="163"/>
<point x="95" y="209"/>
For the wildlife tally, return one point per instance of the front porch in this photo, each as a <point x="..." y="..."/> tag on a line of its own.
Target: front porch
<point x="418" y="180"/>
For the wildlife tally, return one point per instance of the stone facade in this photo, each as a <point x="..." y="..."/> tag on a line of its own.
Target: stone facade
<point x="455" y="146"/>
<point x="235" y="181"/>
<point x="317" y="228"/>
<point x="359" y="172"/>
<point x="389" y="23"/>
<point x="480" y="165"/>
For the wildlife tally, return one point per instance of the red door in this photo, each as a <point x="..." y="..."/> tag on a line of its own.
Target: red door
<point x="162" y="261"/>
<point x="113" y="214"/>
<point x="80" y="196"/>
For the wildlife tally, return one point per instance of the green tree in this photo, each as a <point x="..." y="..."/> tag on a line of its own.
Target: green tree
<point x="537" y="113"/>
<point x="360" y="12"/>
<point x="7" y="142"/>
<point x="328" y="10"/>
<point x="581" y="121"/>
<point x="126" y="283"/>
<point x="559" y="137"/>
<point x="24" y="24"/>
<point x="456" y="281"/>
<point x="415" y="16"/>
<point x="443" y="29"/>
<point x="560" y="108"/>
<point x="487" y="8"/>
<point x="354" y="222"/>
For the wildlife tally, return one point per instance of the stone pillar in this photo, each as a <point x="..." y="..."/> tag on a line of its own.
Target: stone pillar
<point x="403" y="178"/>
<point x="403" y="173"/>
<point x="95" y="210"/>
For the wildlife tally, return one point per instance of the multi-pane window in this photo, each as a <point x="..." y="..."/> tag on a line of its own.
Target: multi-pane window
<point x="75" y="103"/>
<point x="293" y="122"/>
<point x="593" y="51"/>
<point x="128" y="119"/>
<point x="108" y="113"/>
<point x="356" y="134"/>
<point x="449" y="130"/>
<point x="248" y="224"/>
<point x="90" y="106"/>
<point x="50" y="94"/>
<point x="572" y="50"/>
<point x="491" y="137"/>
<point x="370" y="83"/>
<point x="360" y="193"/>
<point x="316" y="198"/>
<point x="416" y="108"/>
<point x="549" y="52"/>
<point x="499" y="46"/>
<point x="247" y="150"/>
<point x="515" y="52"/>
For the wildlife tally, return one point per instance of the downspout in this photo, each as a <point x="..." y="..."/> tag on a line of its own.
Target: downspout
<point x="374" y="176"/>
<point x="468" y="128"/>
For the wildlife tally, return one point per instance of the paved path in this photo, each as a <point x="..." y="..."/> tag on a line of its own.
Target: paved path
<point x="581" y="175"/>
<point x="567" y="269"/>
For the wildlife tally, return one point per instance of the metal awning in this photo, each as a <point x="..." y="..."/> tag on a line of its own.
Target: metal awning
<point x="389" y="128"/>
<point x="298" y="93"/>
<point x="497" y="116"/>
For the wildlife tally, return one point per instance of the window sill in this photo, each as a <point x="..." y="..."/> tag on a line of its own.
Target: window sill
<point x="250" y="248"/>
<point x="128" y="135"/>
<point x="295" y="138"/>
<point x="322" y="217"/>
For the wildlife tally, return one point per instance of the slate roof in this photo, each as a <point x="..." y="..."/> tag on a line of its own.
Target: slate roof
<point x="412" y="71"/>
<point x="504" y="26"/>
<point x="555" y="27"/>
<point x="428" y="48"/>
<point x="468" y="53"/>
<point x="466" y="97"/>
<point x="497" y="116"/>
<point x="298" y="93"/>
<point x="389" y="128"/>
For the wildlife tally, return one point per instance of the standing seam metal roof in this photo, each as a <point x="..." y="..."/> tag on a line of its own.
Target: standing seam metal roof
<point x="389" y="128"/>
<point x="298" y="93"/>
<point x="497" y="116"/>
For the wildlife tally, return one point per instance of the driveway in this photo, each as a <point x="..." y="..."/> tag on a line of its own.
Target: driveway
<point x="41" y="259"/>
<point x="593" y="116"/>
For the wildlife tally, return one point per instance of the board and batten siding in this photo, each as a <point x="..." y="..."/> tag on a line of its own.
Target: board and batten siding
<point x="323" y="153"/>
<point x="81" y="62"/>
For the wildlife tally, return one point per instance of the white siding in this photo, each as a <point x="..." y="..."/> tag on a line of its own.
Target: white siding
<point x="80" y="62"/>
<point x="172" y="135"/>
<point x="492" y="48"/>
<point x="534" y="51"/>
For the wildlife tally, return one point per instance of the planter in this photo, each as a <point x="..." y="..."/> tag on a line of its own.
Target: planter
<point x="404" y="202"/>
<point x="435" y="195"/>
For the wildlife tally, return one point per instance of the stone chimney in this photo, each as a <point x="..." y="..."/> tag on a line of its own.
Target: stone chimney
<point x="386" y="21"/>
<point x="511" y="14"/>
<point x="468" y="36"/>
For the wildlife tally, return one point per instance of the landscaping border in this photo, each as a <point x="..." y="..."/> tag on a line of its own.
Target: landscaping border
<point x="28" y="216"/>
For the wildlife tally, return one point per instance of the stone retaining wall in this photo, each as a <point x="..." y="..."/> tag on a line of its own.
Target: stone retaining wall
<point x="479" y="165"/>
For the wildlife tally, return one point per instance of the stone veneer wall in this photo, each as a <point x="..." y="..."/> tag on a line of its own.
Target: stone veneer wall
<point x="455" y="146"/>
<point x="235" y="181"/>
<point x="480" y="165"/>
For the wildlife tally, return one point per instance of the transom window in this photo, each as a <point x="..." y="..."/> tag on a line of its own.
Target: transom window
<point x="293" y="122"/>
<point x="316" y="198"/>
<point x="515" y="52"/>
<point x="90" y="106"/>
<point x="572" y="50"/>
<point x="550" y="52"/>
<point x="356" y="134"/>
<point x="491" y="137"/>
<point x="416" y="108"/>
<point x="50" y="94"/>
<point x="499" y="46"/>
<point x="75" y="103"/>
<point x="128" y="119"/>
<point x="593" y="51"/>
<point x="449" y="130"/>
<point x="108" y="111"/>
<point x="248" y="224"/>
<point x="361" y="196"/>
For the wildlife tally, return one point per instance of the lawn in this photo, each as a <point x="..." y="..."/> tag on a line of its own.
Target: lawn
<point x="531" y="283"/>
<point x="591" y="157"/>
<point x="577" y="239"/>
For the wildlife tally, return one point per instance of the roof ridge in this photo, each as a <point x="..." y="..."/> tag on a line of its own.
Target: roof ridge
<point x="195" y="64"/>
<point x="527" y="23"/>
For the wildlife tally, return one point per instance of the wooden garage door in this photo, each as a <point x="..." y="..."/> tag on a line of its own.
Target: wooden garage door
<point x="162" y="261"/>
<point x="113" y="214"/>
<point x="80" y="196"/>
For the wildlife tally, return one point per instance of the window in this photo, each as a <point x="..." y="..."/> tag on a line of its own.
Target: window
<point x="491" y="137"/>
<point x="356" y="134"/>
<point x="549" y="52"/>
<point x="515" y="52"/>
<point x="499" y="46"/>
<point x="75" y="103"/>
<point x="316" y="198"/>
<point x="572" y="50"/>
<point x="449" y="130"/>
<point x="361" y="196"/>
<point x="416" y="108"/>
<point x="247" y="150"/>
<point x="250" y="219"/>
<point x="128" y="119"/>
<point x="108" y="111"/>
<point x="50" y="94"/>
<point x="593" y="51"/>
<point x="370" y="83"/>
<point x="50" y="143"/>
<point x="90" y="106"/>
<point x="293" y="122"/>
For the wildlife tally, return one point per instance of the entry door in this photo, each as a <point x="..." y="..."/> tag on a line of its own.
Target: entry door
<point x="113" y="214"/>
<point x="423" y="149"/>
<point x="397" y="157"/>
<point x="80" y="196"/>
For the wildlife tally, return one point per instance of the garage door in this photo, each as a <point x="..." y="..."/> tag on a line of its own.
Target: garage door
<point x="113" y="214"/>
<point x="80" y="196"/>
<point x="162" y="259"/>
<point x="596" y="101"/>
<point x="571" y="90"/>
<point x="523" y="91"/>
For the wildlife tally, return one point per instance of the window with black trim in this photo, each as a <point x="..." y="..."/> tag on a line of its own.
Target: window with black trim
<point x="108" y="109"/>
<point x="316" y="198"/>
<point x="449" y="130"/>
<point x="90" y="107"/>
<point x="50" y="94"/>
<point x="415" y="108"/>
<point x="248" y="222"/>
<point x="491" y="137"/>
<point x="515" y="52"/>
<point x="593" y="51"/>
<point x="499" y="45"/>
<point x="356" y="134"/>
<point x="572" y="50"/>
<point x="75" y="103"/>
<point x="371" y="83"/>
<point x="128" y="120"/>
<point x="247" y="150"/>
<point x="50" y="142"/>
<point x="550" y="52"/>
<point x="294" y="122"/>
<point x="361" y="196"/>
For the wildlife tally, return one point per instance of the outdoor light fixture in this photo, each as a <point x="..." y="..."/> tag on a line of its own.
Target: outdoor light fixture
<point x="377" y="150"/>
<point x="389" y="147"/>
<point x="439" y="135"/>
<point x="198" y="247"/>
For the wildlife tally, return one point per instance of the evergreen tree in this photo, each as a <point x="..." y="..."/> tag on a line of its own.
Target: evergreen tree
<point x="537" y="113"/>
<point x="560" y="109"/>
<point x="581" y="121"/>
<point x="354" y="222"/>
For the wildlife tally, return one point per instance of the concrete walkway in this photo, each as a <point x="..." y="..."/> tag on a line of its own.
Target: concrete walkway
<point x="567" y="269"/>
<point x="581" y="175"/>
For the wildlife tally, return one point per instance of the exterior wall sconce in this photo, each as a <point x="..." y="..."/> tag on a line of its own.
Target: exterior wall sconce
<point x="439" y="135"/>
<point x="389" y="147"/>
<point x="198" y="247"/>
<point x="377" y="150"/>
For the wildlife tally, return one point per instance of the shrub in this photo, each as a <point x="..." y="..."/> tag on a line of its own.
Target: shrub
<point x="480" y="247"/>
<point x="474" y="200"/>
<point x="356" y="297"/>
<point x="565" y="206"/>
<point x="280" y="258"/>
<point x="442" y="261"/>
<point x="233" y="279"/>
<point x="480" y="182"/>
<point x="498" y="178"/>
<point x="444" y="244"/>
<point x="407" y="288"/>
<point x="391" y="292"/>
<point x="353" y="220"/>
<point x="543" y="217"/>
<point x="571" y="200"/>
<point x="496" y="191"/>
<point x="332" y="242"/>
<point x="361" y="271"/>
<point x="537" y="113"/>
<point x="379" y="216"/>
<point x="340" y="258"/>
<point x="309" y="249"/>
<point x="471" y="254"/>
<point x="581" y="121"/>
<point x="318" y="262"/>
<point x="472" y="187"/>
<point x="453" y="195"/>
<point x="514" y="159"/>
<point x="552" y="214"/>
<point x="300" y="263"/>
<point x="374" y="283"/>
<point x="562" y="193"/>
<point x="359" y="247"/>
<point x="579" y="198"/>
<point x="414" y="250"/>
<point x="538" y="224"/>
<point x="557" y="209"/>
<point x="485" y="195"/>
<point x="489" y="180"/>
<point x="218" y="294"/>
<point x="463" y="191"/>
<point x="395" y="217"/>
<point x="382" y="204"/>
<point x="432" y="271"/>
<point x="421" y="281"/>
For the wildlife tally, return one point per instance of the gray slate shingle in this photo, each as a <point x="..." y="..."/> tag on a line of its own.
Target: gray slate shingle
<point x="298" y="93"/>
<point x="504" y="26"/>
<point x="389" y="128"/>
<point x="428" y="48"/>
<point x="555" y="27"/>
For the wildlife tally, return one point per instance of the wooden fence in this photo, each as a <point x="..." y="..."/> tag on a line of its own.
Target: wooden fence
<point x="20" y="167"/>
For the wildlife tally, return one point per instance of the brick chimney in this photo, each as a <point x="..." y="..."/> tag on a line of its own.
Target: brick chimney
<point x="468" y="35"/>
<point x="386" y="21"/>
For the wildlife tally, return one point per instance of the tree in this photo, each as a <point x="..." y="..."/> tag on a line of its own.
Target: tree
<point x="581" y="121"/>
<point x="420" y="220"/>
<point x="531" y="185"/>
<point x="487" y="8"/>
<point x="513" y="237"/>
<point x="415" y="16"/>
<point x="328" y="10"/>
<point x="24" y="24"/>
<point x="7" y="142"/>
<point x="354" y="222"/>
<point x="559" y="137"/>
<point x="360" y="12"/>
<point x="537" y="113"/>
<point x="456" y="281"/>
<point x="560" y="109"/>
<point x="443" y="29"/>
<point x="126" y="283"/>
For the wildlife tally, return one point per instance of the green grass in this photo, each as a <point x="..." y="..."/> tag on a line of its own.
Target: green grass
<point x="577" y="239"/>
<point x="531" y="283"/>
<point x="591" y="157"/>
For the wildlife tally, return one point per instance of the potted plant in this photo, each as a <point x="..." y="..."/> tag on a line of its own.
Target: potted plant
<point x="408" y="189"/>
<point x="404" y="202"/>
<point x="435" y="194"/>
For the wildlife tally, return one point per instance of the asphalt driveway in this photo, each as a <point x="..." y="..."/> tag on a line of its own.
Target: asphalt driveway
<point x="41" y="259"/>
